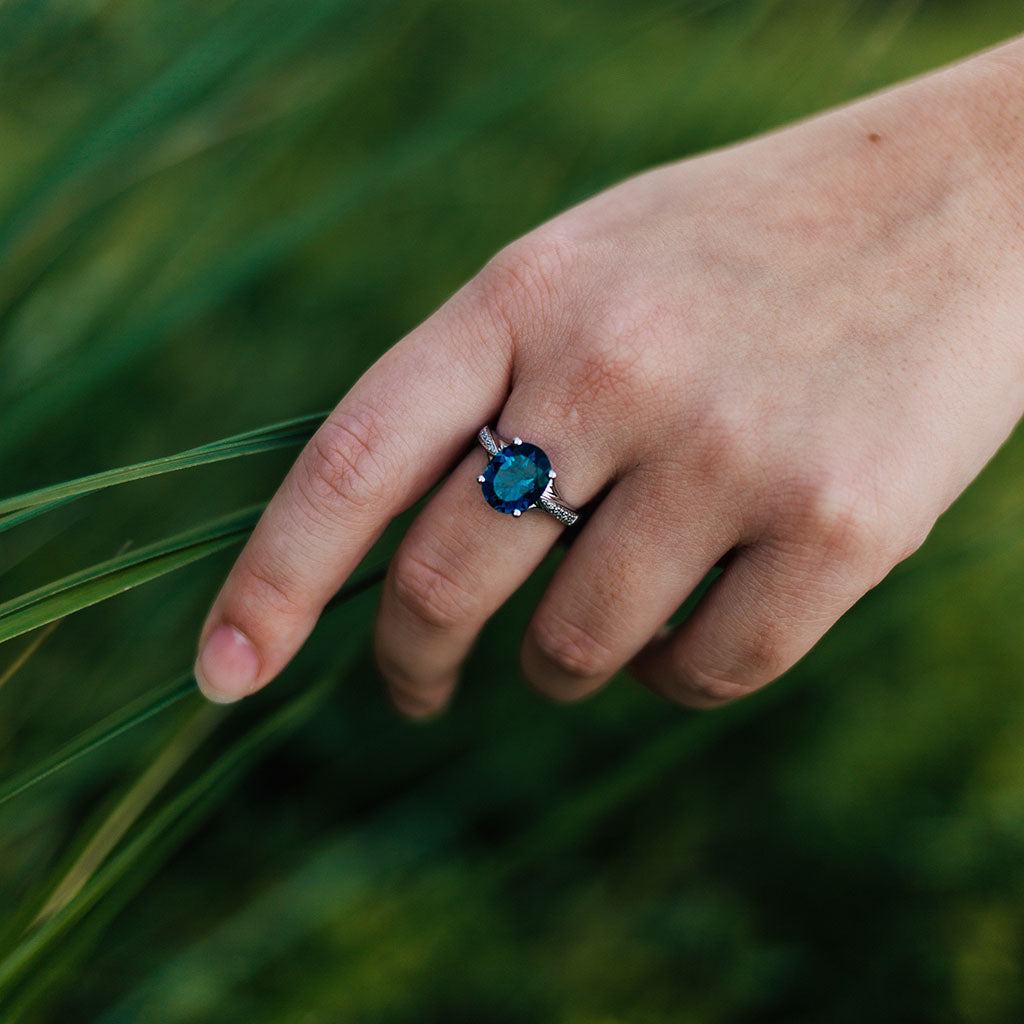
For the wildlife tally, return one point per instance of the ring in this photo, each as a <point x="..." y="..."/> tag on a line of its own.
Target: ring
<point x="519" y="476"/>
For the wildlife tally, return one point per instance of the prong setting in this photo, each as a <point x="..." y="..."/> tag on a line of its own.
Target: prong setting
<point x="520" y="479"/>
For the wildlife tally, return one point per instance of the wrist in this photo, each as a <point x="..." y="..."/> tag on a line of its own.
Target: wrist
<point x="989" y="94"/>
<point x="950" y="146"/>
<point x="936" y="168"/>
<point x="957" y="132"/>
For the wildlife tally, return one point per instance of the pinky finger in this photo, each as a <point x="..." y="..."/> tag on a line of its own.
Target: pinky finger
<point x="757" y="620"/>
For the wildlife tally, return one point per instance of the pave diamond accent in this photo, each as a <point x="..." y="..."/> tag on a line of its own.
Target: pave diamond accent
<point x="564" y="515"/>
<point x="486" y="438"/>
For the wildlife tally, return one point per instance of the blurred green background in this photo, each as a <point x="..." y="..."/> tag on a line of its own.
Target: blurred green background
<point x="213" y="216"/>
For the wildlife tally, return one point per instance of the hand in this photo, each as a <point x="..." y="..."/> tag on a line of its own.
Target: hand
<point x="798" y="350"/>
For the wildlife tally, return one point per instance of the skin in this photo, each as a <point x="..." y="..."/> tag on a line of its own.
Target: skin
<point x="796" y="351"/>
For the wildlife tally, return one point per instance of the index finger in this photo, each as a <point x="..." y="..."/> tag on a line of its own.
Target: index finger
<point x="389" y="439"/>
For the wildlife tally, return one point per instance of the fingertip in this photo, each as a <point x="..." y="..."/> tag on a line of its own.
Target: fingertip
<point x="228" y="665"/>
<point x="563" y="690"/>
<point x="412" y="706"/>
<point x="421" y="703"/>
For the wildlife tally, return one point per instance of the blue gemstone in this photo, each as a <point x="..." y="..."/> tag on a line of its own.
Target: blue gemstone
<point x="516" y="477"/>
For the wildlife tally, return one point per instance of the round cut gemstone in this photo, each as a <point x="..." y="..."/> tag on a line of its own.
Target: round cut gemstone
<point x="516" y="477"/>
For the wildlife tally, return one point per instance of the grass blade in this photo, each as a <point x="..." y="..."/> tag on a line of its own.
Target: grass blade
<point x="179" y="811"/>
<point x="37" y="641"/>
<point x="116" y="824"/>
<point x="132" y="714"/>
<point x="123" y="572"/>
<point x="145" y="707"/>
<point x="20" y="507"/>
<point x="8" y="522"/>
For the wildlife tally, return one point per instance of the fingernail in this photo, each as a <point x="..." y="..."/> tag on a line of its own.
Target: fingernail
<point x="228" y="666"/>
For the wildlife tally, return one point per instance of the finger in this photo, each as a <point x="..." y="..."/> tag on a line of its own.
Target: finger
<point x="385" y="444"/>
<point x="461" y="560"/>
<point x="638" y="559"/>
<point x="758" y="619"/>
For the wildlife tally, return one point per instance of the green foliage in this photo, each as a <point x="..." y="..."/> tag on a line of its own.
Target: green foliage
<point x="22" y="507"/>
<point x="54" y="600"/>
<point x="217" y="214"/>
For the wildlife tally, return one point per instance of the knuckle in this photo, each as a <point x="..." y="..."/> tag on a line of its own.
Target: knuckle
<point x="571" y="648"/>
<point x="265" y="593"/>
<point x="707" y="676"/>
<point x="525" y="280"/>
<point x="709" y="690"/>
<point x="843" y="517"/>
<point x="761" y="655"/>
<point x="914" y="536"/>
<point x="725" y="432"/>
<point x="343" y="464"/>
<point x="430" y="593"/>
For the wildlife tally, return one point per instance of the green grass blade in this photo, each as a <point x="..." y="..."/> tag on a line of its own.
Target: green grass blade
<point x="123" y="572"/>
<point x="130" y="807"/>
<point x="20" y="507"/>
<point x="146" y="706"/>
<point x="182" y="808"/>
<point x="19" y="662"/>
<point x="8" y="522"/>
<point x="107" y="729"/>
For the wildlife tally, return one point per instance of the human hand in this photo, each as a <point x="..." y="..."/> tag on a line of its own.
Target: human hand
<point x="797" y="350"/>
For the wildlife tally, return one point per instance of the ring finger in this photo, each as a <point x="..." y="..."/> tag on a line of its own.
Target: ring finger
<point x="646" y="549"/>
<point x="461" y="560"/>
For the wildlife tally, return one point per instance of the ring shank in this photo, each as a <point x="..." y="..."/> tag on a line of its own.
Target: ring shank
<point x="554" y="507"/>
<point x="490" y="444"/>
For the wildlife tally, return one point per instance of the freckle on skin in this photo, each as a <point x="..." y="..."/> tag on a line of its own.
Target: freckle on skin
<point x="874" y="137"/>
